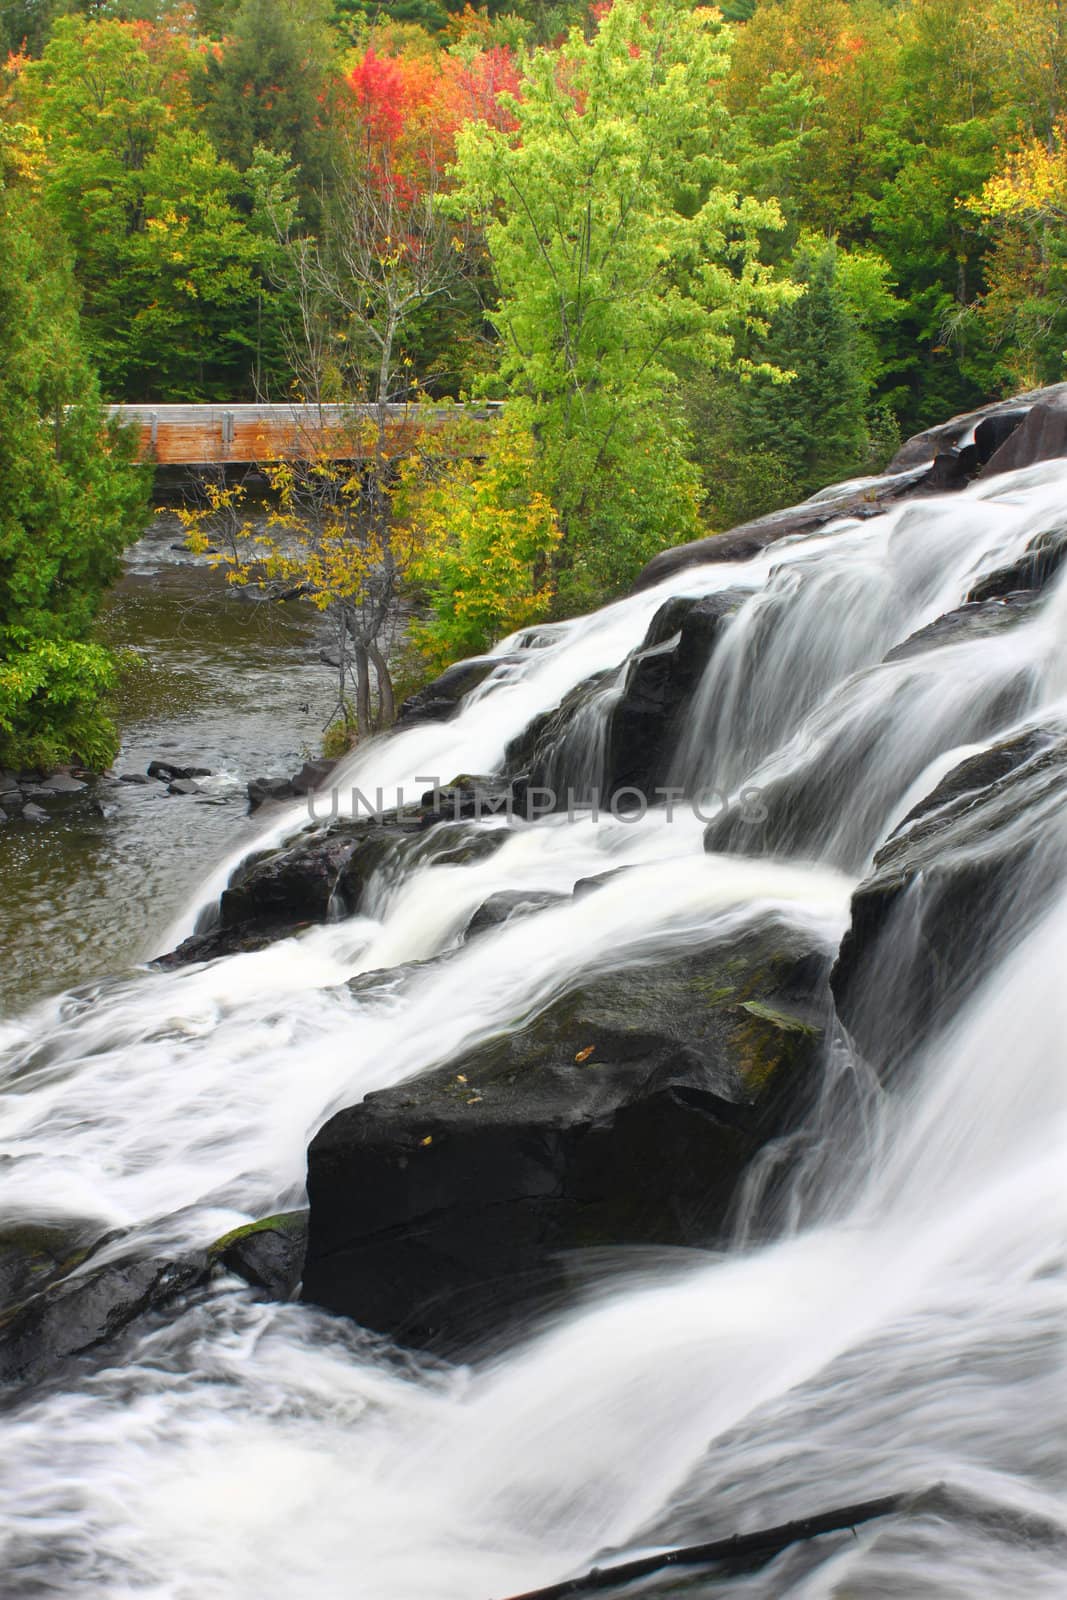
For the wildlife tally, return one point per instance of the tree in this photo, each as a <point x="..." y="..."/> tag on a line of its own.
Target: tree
<point x="1025" y="307"/>
<point x="72" y="499"/>
<point x="267" y="87"/>
<point x="618" y="239"/>
<point x="485" y="536"/>
<point x="170" y="251"/>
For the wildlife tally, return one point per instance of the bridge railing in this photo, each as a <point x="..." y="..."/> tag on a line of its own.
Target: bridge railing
<point x="201" y="435"/>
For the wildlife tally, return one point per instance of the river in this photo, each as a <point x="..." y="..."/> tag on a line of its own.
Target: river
<point x="226" y="684"/>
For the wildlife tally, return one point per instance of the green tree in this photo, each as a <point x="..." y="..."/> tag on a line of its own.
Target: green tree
<point x="618" y="240"/>
<point x="170" y="251"/>
<point x="71" y="501"/>
<point x="816" y="423"/>
<point x="267" y="87"/>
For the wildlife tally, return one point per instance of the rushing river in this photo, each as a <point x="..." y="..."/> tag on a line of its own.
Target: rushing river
<point x="908" y="1330"/>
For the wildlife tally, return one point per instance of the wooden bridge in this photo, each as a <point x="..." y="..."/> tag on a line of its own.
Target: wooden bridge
<point x="201" y="436"/>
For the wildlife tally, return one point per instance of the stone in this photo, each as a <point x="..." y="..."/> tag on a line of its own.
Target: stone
<point x="1040" y="436"/>
<point x="87" y="1308"/>
<point x="62" y="783"/>
<point x="268" y="1255"/>
<point x="508" y="904"/>
<point x="975" y="620"/>
<point x="183" y="786"/>
<point x="661" y="676"/>
<point x="170" y="772"/>
<point x="624" y="1113"/>
<point x="440" y="700"/>
<point x="261" y="791"/>
<point x="1035" y="569"/>
<point x="33" y="813"/>
<point x="925" y="922"/>
<point x="134" y="777"/>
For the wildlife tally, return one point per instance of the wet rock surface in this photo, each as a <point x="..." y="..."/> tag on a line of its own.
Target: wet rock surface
<point x="326" y="870"/>
<point x="268" y="1255"/>
<point x="439" y="701"/>
<point x="661" y="677"/>
<point x="926" y="922"/>
<point x="86" y="1308"/>
<point x="624" y="1113"/>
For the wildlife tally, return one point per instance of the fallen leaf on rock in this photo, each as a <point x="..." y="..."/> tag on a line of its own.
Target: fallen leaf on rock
<point x="583" y="1055"/>
<point x="428" y="1139"/>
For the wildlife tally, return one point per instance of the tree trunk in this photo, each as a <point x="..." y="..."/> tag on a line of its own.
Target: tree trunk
<point x="386" y="697"/>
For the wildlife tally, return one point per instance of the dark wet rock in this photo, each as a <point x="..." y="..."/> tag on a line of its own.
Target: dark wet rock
<point x="170" y="772"/>
<point x="541" y="753"/>
<point x="623" y="1114"/>
<point x="1040" y="436"/>
<point x="440" y="700"/>
<point x="470" y="797"/>
<point x="326" y="870"/>
<point x="269" y="1254"/>
<point x="34" y="1254"/>
<point x="61" y="783"/>
<point x="748" y="540"/>
<point x="661" y="676"/>
<point x="976" y="620"/>
<point x="926" y="922"/>
<point x="590" y="885"/>
<point x="34" y="813"/>
<point x="184" y="786"/>
<point x="298" y="882"/>
<point x="134" y="777"/>
<point x="313" y="775"/>
<point x="3" y="817"/>
<point x="507" y="905"/>
<point x="263" y="790"/>
<point x="85" y="1309"/>
<point x="1035" y="569"/>
<point x="989" y="425"/>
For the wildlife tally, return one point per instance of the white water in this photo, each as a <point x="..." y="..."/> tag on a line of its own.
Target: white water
<point x="908" y="1334"/>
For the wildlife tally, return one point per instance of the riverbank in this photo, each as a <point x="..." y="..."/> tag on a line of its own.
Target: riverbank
<point x="225" y="684"/>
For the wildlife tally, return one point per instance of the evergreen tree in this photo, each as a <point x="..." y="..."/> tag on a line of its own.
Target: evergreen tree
<point x="816" y="423"/>
<point x="267" y="87"/>
<point x="71" y="498"/>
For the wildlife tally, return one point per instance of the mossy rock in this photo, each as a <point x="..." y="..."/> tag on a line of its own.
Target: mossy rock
<point x="268" y="1255"/>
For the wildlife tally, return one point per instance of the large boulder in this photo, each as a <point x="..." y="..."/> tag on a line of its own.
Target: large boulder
<point x="926" y="922"/>
<point x="87" y="1307"/>
<point x="631" y="733"/>
<point x="623" y="1114"/>
<point x="987" y="429"/>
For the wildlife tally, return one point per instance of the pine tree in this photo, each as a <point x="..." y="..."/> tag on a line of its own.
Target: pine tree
<point x="71" y="498"/>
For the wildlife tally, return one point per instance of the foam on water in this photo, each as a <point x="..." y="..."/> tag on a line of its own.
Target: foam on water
<point x="910" y="1332"/>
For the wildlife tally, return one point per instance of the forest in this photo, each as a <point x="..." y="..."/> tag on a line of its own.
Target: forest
<point x="711" y="260"/>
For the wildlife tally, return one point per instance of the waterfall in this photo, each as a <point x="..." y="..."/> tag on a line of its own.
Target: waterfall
<point x="904" y="1326"/>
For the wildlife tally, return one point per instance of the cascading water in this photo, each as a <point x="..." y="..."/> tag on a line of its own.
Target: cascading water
<point x="906" y="1329"/>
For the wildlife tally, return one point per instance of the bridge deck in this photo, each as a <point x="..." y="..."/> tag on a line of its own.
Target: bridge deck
<point x="193" y="435"/>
